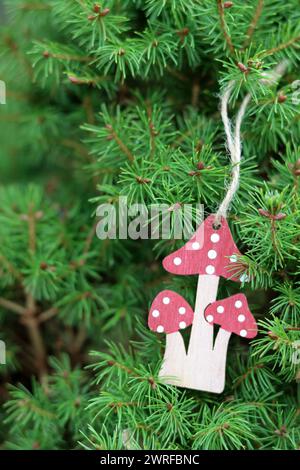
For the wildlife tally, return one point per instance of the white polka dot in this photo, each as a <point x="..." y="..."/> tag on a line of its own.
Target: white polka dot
<point x="244" y="278"/>
<point x="233" y="258"/>
<point x="215" y="238"/>
<point x="212" y="254"/>
<point x="196" y="246"/>
<point x="155" y="313"/>
<point x="182" y="325"/>
<point x="210" y="318"/>
<point x="181" y="310"/>
<point x="243" y="333"/>
<point x="238" y="304"/>
<point x="210" y="269"/>
<point x="160" y="329"/>
<point x="166" y="300"/>
<point x="220" y="309"/>
<point x="177" y="261"/>
<point x="241" y="318"/>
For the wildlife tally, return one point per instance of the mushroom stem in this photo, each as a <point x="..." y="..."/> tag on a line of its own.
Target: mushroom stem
<point x="174" y="359"/>
<point x="201" y="339"/>
<point x="220" y="355"/>
<point x="199" y="367"/>
<point x="221" y="342"/>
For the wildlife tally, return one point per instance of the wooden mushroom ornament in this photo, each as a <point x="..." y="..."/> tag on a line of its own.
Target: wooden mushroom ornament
<point x="211" y="253"/>
<point x="169" y="314"/>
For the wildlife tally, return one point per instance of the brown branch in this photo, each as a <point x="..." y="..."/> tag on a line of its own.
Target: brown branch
<point x="177" y="74"/>
<point x="36" y="339"/>
<point x="13" y="306"/>
<point x="123" y="147"/>
<point x="77" y="58"/>
<point x="224" y="26"/>
<point x="88" y="106"/>
<point x="78" y="341"/>
<point x="10" y="267"/>
<point x="253" y="24"/>
<point x="34" y="6"/>
<point x="30" y="320"/>
<point x="195" y="93"/>
<point x="47" y="314"/>
<point x="243" y="377"/>
<point x="152" y="130"/>
<point x="279" y="48"/>
<point x="89" y="239"/>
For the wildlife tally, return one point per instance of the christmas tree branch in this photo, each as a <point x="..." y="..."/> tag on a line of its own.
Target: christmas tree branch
<point x="290" y="43"/>
<point x="253" y="24"/>
<point x="12" y="306"/>
<point x="224" y="27"/>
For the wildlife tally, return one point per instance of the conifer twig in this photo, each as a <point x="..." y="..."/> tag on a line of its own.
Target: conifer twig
<point x="30" y="319"/>
<point x="253" y="24"/>
<point x="280" y="47"/>
<point x="47" y="315"/>
<point x="123" y="147"/>
<point x="224" y="26"/>
<point x="12" y="306"/>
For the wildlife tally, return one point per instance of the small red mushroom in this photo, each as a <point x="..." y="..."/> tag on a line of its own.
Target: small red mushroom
<point x="169" y="313"/>
<point x="233" y="315"/>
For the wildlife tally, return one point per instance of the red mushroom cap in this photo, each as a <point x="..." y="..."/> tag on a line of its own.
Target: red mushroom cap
<point x="169" y="312"/>
<point x="233" y="315"/>
<point x="210" y="251"/>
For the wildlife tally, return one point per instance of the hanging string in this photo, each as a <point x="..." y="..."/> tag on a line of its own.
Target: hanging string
<point x="235" y="149"/>
<point x="234" y="144"/>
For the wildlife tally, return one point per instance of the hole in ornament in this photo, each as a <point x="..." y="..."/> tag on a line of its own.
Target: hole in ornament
<point x="216" y="226"/>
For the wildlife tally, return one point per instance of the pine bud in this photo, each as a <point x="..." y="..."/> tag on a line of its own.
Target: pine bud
<point x="272" y="335"/>
<point x="174" y="207"/>
<point x="279" y="216"/>
<point x="152" y="383"/>
<point x="97" y="8"/>
<point x="46" y="54"/>
<point x="242" y="67"/>
<point x="141" y="180"/>
<point x="74" y="80"/>
<point x="227" y="4"/>
<point x="281" y="98"/>
<point x="297" y="172"/>
<point x="200" y="166"/>
<point x="104" y="12"/>
<point x="264" y="213"/>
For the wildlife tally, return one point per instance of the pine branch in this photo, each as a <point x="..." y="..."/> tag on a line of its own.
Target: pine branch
<point x="253" y="24"/>
<point x="113" y="135"/>
<point x="291" y="43"/>
<point x="13" y="306"/>
<point x="224" y="27"/>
